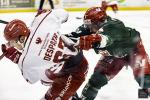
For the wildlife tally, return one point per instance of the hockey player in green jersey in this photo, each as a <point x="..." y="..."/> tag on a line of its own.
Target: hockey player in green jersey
<point x="119" y="45"/>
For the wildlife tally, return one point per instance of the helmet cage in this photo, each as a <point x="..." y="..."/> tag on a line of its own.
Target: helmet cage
<point x="93" y="26"/>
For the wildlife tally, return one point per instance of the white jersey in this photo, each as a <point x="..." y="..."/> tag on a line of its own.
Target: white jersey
<point x="44" y="48"/>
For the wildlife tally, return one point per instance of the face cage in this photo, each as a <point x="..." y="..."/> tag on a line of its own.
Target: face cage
<point x="94" y="27"/>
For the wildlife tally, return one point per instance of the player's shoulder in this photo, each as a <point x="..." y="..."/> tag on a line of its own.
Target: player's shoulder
<point x="113" y="22"/>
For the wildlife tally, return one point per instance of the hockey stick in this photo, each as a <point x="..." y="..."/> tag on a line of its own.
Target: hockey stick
<point x="1" y="56"/>
<point x="3" y="22"/>
<point x="79" y="17"/>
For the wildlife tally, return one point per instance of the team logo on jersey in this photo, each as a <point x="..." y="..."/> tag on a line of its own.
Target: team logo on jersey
<point x="38" y="40"/>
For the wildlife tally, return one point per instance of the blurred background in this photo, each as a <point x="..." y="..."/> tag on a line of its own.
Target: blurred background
<point x="70" y="5"/>
<point x="134" y="13"/>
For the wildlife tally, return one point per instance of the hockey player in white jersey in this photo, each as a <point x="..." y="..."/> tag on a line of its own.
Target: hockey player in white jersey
<point x="43" y="54"/>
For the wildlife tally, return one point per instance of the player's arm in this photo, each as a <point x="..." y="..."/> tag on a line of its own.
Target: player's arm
<point x="80" y="31"/>
<point x="11" y="53"/>
<point x="86" y="40"/>
<point x="95" y="41"/>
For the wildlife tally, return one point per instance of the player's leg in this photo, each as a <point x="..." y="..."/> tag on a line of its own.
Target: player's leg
<point x="140" y="64"/>
<point x="67" y="82"/>
<point x="90" y="90"/>
<point x="105" y="70"/>
<point x="41" y="4"/>
<point x="63" y="88"/>
<point x="51" y="4"/>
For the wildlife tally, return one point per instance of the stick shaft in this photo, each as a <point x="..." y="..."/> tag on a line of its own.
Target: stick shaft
<point x="1" y="56"/>
<point x="4" y="22"/>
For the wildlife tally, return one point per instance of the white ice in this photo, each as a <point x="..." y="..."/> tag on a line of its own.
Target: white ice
<point x="122" y="87"/>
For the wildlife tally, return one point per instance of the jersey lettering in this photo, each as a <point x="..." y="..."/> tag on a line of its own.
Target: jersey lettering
<point x="50" y="49"/>
<point x="60" y="45"/>
<point x="58" y="55"/>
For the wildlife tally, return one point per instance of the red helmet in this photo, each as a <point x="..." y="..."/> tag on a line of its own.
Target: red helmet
<point x="95" y="15"/>
<point x="14" y="29"/>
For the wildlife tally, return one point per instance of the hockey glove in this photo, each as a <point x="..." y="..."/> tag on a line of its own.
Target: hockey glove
<point x="11" y="53"/>
<point x="86" y="42"/>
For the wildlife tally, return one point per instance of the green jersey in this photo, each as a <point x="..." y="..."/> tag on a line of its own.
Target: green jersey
<point x="121" y="39"/>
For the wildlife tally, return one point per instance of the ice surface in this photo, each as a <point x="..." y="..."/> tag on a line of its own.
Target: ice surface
<point x="122" y="87"/>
